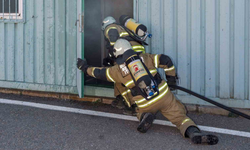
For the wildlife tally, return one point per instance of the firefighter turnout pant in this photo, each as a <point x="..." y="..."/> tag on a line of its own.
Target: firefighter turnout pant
<point x="172" y="109"/>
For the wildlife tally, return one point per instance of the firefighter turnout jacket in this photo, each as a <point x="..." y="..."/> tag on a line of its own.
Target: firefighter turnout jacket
<point x="165" y="102"/>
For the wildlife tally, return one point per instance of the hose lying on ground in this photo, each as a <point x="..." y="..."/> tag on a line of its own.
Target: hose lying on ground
<point x="211" y="101"/>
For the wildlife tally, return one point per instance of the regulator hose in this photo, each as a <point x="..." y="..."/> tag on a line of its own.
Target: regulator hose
<point x="211" y="101"/>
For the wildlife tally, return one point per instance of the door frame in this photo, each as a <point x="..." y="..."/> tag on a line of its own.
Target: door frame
<point x="80" y="45"/>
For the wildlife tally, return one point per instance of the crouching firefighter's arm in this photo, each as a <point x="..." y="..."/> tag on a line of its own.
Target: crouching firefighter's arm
<point x="165" y="62"/>
<point x="102" y="73"/>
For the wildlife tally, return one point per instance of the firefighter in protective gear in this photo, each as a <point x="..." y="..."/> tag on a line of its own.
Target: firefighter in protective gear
<point x="112" y="32"/>
<point x="165" y="102"/>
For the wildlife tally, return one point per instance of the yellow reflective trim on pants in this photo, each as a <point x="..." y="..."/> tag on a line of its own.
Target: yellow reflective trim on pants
<point x="131" y="81"/>
<point x="93" y="72"/>
<point x="169" y="69"/>
<point x="153" y="100"/>
<point x="108" y="75"/>
<point x="160" y="89"/>
<point x="124" y="33"/>
<point x="156" y="61"/>
<point x="123" y="95"/>
<point x="126" y="101"/>
<point x="184" y="121"/>
<point x="126" y="92"/>
<point x="112" y="43"/>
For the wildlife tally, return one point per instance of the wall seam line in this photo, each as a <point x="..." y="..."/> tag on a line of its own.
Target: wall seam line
<point x="5" y="51"/>
<point x="65" y="44"/>
<point x="35" y="42"/>
<point x="217" y="50"/>
<point x="232" y="48"/>
<point x="54" y="45"/>
<point x="14" y="53"/>
<point x="246" y="53"/>
<point x="189" y="42"/>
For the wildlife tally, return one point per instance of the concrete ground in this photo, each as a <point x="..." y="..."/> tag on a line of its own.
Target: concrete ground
<point x="23" y="127"/>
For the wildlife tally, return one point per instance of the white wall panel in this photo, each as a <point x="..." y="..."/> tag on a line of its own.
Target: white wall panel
<point x="34" y="53"/>
<point x="19" y="53"/>
<point x="224" y="50"/>
<point x="39" y="44"/>
<point x="29" y="42"/>
<point x="2" y="51"/>
<point x="169" y="29"/>
<point x="239" y="34"/>
<point x="195" y="46"/>
<point x="210" y="49"/>
<point x="182" y="45"/>
<point x="10" y="41"/>
<point x="208" y="41"/>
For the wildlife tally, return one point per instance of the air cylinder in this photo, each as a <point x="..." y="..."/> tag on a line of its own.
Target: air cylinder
<point x="131" y="24"/>
<point x="139" y="73"/>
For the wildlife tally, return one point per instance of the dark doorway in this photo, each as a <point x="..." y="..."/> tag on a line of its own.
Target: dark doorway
<point x="94" y="43"/>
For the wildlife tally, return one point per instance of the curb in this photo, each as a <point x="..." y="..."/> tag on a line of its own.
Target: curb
<point x="190" y="108"/>
<point x="214" y="110"/>
<point x="64" y="96"/>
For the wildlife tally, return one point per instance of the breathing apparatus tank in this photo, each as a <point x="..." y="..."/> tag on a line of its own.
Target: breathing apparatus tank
<point x="143" y="79"/>
<point x="138" y="29"/>
<point x="144" y="82"/>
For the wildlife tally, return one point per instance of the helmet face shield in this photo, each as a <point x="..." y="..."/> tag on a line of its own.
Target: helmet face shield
<point x="107" y="21"/>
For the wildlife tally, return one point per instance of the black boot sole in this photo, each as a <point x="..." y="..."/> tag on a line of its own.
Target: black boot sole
<point x="145" y="124"/>
<point x="205" y="139"/>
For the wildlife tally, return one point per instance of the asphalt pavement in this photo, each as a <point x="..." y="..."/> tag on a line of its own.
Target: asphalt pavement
<point x="23" y="127"/>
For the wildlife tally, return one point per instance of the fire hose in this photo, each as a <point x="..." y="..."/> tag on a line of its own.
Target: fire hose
<point x="211" y="101"/>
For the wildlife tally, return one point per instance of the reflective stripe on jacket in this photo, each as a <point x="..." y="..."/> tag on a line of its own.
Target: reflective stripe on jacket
<point x="137" y="47"/>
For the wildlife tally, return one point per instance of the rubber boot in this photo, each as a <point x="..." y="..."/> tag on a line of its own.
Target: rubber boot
<point x="129" y="111"/>
<point x="146" y="122"/>
<point x="118" y="102"/>
<point x="197" y="137"/>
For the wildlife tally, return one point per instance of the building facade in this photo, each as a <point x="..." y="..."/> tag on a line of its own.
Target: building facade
<point x="208" y="41"/>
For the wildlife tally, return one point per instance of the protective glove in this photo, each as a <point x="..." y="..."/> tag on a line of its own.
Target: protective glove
<point x="171" y="80"/>
<point x="82" y="65"/>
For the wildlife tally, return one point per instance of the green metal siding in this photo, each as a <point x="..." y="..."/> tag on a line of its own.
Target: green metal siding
<point x="208" y="41"/>
<point x="40" y="54"/>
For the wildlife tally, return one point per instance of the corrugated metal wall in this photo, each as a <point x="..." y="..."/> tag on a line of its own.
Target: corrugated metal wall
<point x="40" y="54"/>
<point x="208" y="41"/>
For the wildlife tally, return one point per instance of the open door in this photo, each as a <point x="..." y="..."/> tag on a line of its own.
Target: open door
<point x="92" y="47"/>
<point x="80" y="45"/>
<point x="95" y="46"/>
